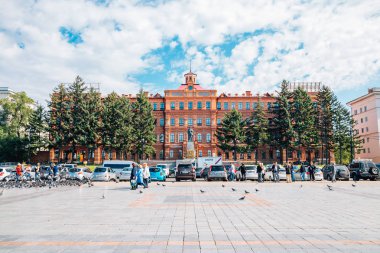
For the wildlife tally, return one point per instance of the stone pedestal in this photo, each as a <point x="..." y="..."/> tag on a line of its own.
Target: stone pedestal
<point x="190" y="153"/>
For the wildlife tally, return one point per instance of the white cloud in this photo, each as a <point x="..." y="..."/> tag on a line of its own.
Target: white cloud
<point x="341" y="43"/>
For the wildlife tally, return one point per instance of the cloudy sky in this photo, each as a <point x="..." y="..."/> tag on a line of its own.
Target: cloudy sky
<point x="233" y="44"/>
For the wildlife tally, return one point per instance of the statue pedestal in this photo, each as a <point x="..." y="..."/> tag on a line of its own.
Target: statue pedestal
<point x="190" y="150"/>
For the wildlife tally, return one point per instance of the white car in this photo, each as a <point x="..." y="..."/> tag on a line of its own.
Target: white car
<point x="117" y="165"/>
<point x="125" y="174"/>
<point x="5" y="173"/>
<point x="80" y="173"/>
<point x="103" y="174"/>
<point x="269" y="175"/>
<point x="251" y="172"/>
<point x="317" y="174"/>
<point x="165" y="167"/>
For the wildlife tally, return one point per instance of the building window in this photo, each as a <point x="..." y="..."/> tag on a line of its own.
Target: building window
<point x="161" y="154"/>
<point x="278" y="154"/>
<point x="227" y="155"/>
<point x="218" y="121"/>
<point x="200" y="153"/>
<point x="290" y="154"/>
<point x="218" y="105"/>
<point x="180" y="154"/>
<point x="208" y="105"/>
<point x="361" y="120"/>
<point x="171" y="154"/>
<point x="162" y="122"/>
<point x="365" y="109"/>
<point x="209" y="153"/>
<point x="269" y="105"/>
<point x="181" y="105"/>
<point x="172" y="122"/>
<point x="190" y="105"/>
<point x="271" y="154"/>
<point x="162" y="138"/>
<point x="241" y="156"/>
<point x="366" y="129"/>
<point x="367" y="139"/>
<point x="199" y="137"/>
<point x="362" y="130"/>
<point x="264" y="155"/>
<point x="172" y="105"/>
<point x="364" y="150"/>
<point x="361" y="110"/>
<point x="356" y="112"/>
<point x="199" y="122"/>
<point x="181" y="121"/>
<point x="240" y="106"/>
<point x="208" y="137"/>
<point x="180" y="137"/>
<point x="225" y="105"/>
<point x="199" y="105"/>
<point x="249" y="156"/>
<point x="232" y="105"/>
<point x="247" y="105"/>
<point x="366" y="119"/>
<point x="254" y="105"/>
<point x="190" y="122"/>
<point x="208" y="122"/>
<point x="172" y="137"/>
<point x="155" y="106"/>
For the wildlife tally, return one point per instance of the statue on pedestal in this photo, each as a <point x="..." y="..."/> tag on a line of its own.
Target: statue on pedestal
<point x="190" y="133"/>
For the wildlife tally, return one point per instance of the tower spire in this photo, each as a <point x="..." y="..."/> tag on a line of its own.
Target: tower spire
<point x="190" y="66"/>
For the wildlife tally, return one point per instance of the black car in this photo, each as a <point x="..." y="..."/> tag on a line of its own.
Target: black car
<point x="342" y="172"/>
<point x="198" y="172"/>
<point x="363" y="169"/>
<point x="185" y="171"/>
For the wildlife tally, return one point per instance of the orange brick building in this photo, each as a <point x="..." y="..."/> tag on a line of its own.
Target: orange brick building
<point x="193" y="106"/>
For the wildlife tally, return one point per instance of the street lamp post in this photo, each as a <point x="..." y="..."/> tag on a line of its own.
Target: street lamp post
<point x="142" y="147"/>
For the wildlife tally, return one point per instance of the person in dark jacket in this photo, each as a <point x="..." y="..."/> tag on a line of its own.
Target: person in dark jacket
<point x="288" y="169"/>
<point x="275" y="170"/>
<point x="243" y="171"/>
<point x="312" y="169"/>
<point x="260" y="173"/>
<point x="302" y="171"/>
<point x="133" y="177"/>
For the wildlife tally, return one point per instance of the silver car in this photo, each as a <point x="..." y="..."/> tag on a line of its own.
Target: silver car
<point x="217" y="172"/>
<point x="80" y="173"/>
<point x="251" y="172"/>
<point x="125" y="174"/>
<point x="103" y="174"/>
<point x="269" y="174"/>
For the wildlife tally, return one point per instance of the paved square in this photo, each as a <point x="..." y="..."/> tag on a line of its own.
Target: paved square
<point x="179" y="218"/>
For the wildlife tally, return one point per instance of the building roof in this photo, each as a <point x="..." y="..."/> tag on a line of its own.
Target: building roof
<point x="371" y="91"/>
<point x="196" y="87"/>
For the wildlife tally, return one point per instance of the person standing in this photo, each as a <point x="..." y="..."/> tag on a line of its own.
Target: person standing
<point x="37" y="172"/>
<point x="259" y="173"/>
<point x="312" y="169"/>
<point x="292" y="172"/>
<point x="146" y="174"/>
<point x="18" y="171"/>
<point x="275" y="169"/>
<point x="243" y="171"/>
<point x="132" y="178"/>
<point x="333" y="178"/>
<point x="302" y="171"/>
<point x="288" y="169"/>
<point x="139" y="177"/>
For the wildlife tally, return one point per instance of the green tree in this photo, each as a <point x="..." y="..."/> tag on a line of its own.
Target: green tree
<point x="326" y="102"/>
<point x="231" y="133"/>
<point x="93" y="109"/>
<point x="126" y="137"/>
<point x="38" y="138"/>
<point x="58" y="118"/>
<point x="78" y="115"/>
<point x="282" y="130"/>
<point x="15" y="114"/>
<point x="257" y="129"/>
<point x="303" y="116"/>
<point x="143" y="126"/>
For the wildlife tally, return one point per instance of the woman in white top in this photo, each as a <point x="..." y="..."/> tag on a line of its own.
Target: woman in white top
<point x="146" y="174"/>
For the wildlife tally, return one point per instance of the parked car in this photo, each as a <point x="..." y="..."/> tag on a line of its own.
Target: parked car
<point x="165" y="167"/>
<point x="269" y="175"/>
<point x="318" y="175"/>
<point x="44" y="172"/>
<point x="363" y="169"/>
<point x="64" y="172"/>
<point x="342" y="172"/>
<point x="68" y="165"/>
<point x="172" y="171"/>
<point x="103" y="174"/>
<point x="198" y="172"/>
<point x="378" y="169"/>
<point x="5" y="173"/>
<point x="157" y="174"/>
<point x="117" y="165"/>
<point x="204" y="173"/>
<point x="185" y="171"/>
<point x="80" y="173"/>
<point x="251" y="172"/>
<point x="217" y="172"/>
<point x="125" y="174"/>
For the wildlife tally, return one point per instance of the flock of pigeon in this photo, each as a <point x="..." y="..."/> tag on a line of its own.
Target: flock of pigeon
<point x="43" y="183"/>
<point x="234" y="190"/>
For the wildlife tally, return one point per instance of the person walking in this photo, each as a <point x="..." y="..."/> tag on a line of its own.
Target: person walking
<point x="132" y="178"/>
<point x="292" y="172"/>
<point x="18" y="172"/>
<point x="333" y="178"/>
<point x="243" y="171"/>
<point x="37" y="172"/>
<point x="260" y="173"/>
<point x="231" y="172"/>
<point x="139" y="177"/>
<point x="275" y="170"/>
<point x="288" y="169"/>
<point x="302" y="171"/>
<point x="55" y="170"/>
<point x="146" y="174"/>
<point x="312" y="169"/>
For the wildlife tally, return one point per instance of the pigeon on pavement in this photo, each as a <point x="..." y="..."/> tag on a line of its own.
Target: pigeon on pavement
<point x="242" y="198"/>
<point x="246" y="191"/>
<point x="233" y="189"/>
<point x="202" y="191"/>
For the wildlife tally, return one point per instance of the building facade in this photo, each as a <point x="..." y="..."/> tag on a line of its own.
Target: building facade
<point x="193" y="106"/>
<point x="366" y="112"/>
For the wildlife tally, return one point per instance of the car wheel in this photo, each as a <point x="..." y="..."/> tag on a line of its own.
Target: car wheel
<point x="373" y="179"/>
<point x="225" y="179"/>
<point x="356" y="177"/>
<point x="164" y="179"/>
<point x="177" y="179"/>
<point x="194" y="179"/>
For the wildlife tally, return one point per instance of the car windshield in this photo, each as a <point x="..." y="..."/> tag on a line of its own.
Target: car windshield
<point x="127" y="169"/>
<point x="154" y="169"/>
<point x="217" y="168"/>
<point x="100" y="170"/>
<point x="74" y="170"/>
<point x="370" y="165"/>
<point x="117" y="166"/>
<point x="161" y="166"/>
<point x="250" y="167"/>
<point x="184" y="166"/>
<point x="341" y="168"/>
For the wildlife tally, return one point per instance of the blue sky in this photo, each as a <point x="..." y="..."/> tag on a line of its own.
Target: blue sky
<point x="240" y="45"/>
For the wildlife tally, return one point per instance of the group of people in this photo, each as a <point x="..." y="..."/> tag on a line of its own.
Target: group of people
<point x="140" y="175"/>
<point x="21" y="171"/>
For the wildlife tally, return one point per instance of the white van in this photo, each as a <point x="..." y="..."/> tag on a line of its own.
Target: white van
<point x="118" y="165"/>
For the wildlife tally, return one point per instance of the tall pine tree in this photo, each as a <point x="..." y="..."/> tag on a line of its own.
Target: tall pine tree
<point x="231" y="133"/>
<point x="38" y="138"/>
<point x="126" y="137"/>
<point x="256" y="130"/>
<point x="143" y="126"/>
